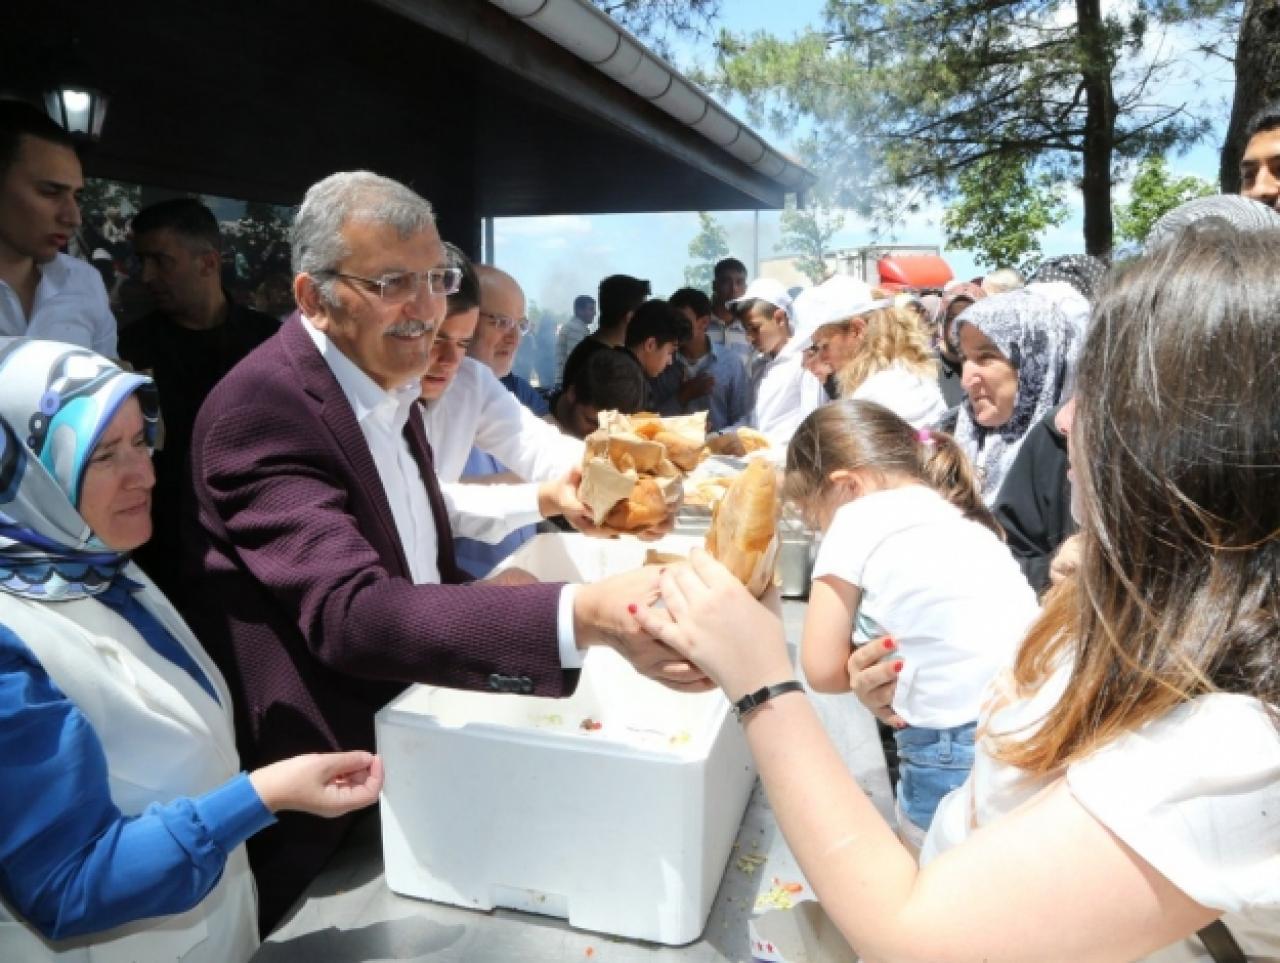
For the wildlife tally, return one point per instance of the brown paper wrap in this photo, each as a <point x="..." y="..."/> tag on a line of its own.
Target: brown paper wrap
<point x="737" y="442"/>
<point x="628" y="482"/>
<point x="682" y="436"/>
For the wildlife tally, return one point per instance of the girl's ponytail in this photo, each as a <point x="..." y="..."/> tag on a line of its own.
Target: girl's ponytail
<point x="948" y="470"/>
<point x="864" y="435"/>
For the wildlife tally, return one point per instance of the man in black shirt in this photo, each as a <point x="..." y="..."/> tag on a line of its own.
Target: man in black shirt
<point x="193" y="338"/>
<point x="619" y="296"/>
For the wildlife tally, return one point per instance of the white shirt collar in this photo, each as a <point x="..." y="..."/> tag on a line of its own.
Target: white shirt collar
<point x="54" y="271"/>
<point x="53" y="276"/>
<point x="366" y="397"/>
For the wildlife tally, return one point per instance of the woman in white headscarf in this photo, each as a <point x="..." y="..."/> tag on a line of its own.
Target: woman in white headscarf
<point x="1019" y="352"/>
<point x="124" y="812"/>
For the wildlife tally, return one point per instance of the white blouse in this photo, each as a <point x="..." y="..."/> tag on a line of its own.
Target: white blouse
<point x="1195" y="793"/>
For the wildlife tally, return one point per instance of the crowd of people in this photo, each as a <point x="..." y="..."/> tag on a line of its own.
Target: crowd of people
<point x="1048" y="565"/>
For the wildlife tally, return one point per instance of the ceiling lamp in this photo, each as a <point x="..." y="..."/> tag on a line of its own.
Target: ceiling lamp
<point x="80" y="110"/>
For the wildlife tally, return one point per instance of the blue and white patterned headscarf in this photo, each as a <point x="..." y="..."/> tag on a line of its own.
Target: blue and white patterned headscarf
<point x="56" y="400"/>
<point x="1043" y="344"/>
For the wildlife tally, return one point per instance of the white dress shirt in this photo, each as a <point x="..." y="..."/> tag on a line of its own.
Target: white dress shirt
<point x="71" y="305"/>
<point x="382" y="416"/>
<point x="784" y="393"/>
<point x="477" y="409"/>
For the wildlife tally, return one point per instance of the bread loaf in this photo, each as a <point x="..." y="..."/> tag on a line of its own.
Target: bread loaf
<point x="744" y="527"/>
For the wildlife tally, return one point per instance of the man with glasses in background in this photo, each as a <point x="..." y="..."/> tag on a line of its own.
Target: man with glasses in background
<point x="475" y="424"/>
<point x="319" y="546"/>
<point x="497" y="339"/>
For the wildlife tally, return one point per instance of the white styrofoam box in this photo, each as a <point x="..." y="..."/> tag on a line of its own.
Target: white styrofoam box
<point x="506" y="800"/>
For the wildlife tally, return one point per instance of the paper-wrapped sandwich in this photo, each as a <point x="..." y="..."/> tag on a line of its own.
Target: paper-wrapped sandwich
<point x="737" y="442"/>
<point x="628" y="481"/>
<point x="683" y="436"/>
<point x="744" y="528"/>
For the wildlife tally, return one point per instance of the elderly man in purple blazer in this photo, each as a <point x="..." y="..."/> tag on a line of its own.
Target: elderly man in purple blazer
<point x="320" y="559"/>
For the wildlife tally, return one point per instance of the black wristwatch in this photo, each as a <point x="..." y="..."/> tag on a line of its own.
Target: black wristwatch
<point x="753" y="700"/>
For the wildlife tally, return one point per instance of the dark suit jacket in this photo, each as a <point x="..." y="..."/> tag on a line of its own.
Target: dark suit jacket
<point x="301" y="591"/>
<point x="299" y="588"/>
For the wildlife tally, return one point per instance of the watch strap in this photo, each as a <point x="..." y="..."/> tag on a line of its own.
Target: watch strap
<point x="754" y="700"/>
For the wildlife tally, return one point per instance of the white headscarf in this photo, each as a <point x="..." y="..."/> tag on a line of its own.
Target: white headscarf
<point x="1043" y="343"/>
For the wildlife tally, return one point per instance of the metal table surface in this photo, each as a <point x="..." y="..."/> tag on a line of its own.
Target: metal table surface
<point x="348" y="913"/>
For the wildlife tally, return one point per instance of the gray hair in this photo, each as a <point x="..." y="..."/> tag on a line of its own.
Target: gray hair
<point x="329" y="204"/>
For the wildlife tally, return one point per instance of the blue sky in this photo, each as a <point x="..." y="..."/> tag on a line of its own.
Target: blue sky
<point x="556" y="258"/>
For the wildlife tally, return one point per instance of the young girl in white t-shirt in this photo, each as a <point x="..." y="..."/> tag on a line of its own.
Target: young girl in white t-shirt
<point x="909" y="553"/>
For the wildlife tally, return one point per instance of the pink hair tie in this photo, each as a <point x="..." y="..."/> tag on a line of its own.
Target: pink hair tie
<point x="924" y="436"/>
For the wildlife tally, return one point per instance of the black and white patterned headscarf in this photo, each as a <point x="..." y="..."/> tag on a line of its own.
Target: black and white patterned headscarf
<point x="1082" y="271"/>
<point x="1043" y="344"/>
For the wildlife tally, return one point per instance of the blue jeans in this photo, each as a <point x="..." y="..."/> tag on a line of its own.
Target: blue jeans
<point x="931" y="763"/>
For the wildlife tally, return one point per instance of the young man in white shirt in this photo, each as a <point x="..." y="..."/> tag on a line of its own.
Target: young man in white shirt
<point x="43" y="292"/>
<point x="783" y="391"/>
<point x="467" y="406"/>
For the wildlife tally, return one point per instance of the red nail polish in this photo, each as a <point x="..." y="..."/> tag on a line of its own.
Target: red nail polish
<point x="632" y="608"/>
<point x="897" y="666"/>
<point x="888" y="643"/>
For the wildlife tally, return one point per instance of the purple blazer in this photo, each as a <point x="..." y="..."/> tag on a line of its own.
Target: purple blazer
<point x="302" y="592"/>
<point x="297" y="583"/>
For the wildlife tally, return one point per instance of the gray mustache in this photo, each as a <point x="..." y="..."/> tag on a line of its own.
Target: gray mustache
<point x="409" y="328"/>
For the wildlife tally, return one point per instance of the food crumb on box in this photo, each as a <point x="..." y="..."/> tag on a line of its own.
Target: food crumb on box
<point x="590" y="725"/>
<point x="776" y="898"/>
<point x="549" y="719"/>
<point x="680" y="738"/>
<point x="751" y="862"/>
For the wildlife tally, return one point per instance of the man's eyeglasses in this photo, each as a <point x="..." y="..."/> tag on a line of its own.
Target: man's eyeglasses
<point x="402" y="286"/>
<point x="504" y="323"/>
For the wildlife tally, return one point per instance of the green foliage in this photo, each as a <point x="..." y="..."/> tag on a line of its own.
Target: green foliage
<point x="708" y="246"/>
<point x="906" y="95"/>
<point x="807" y="233"/>
<point x="1001" y="211"/>
<point x="1154" y="193"/>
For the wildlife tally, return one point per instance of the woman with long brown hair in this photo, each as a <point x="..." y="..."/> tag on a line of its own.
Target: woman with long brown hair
<point x="1126" y="789"/>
